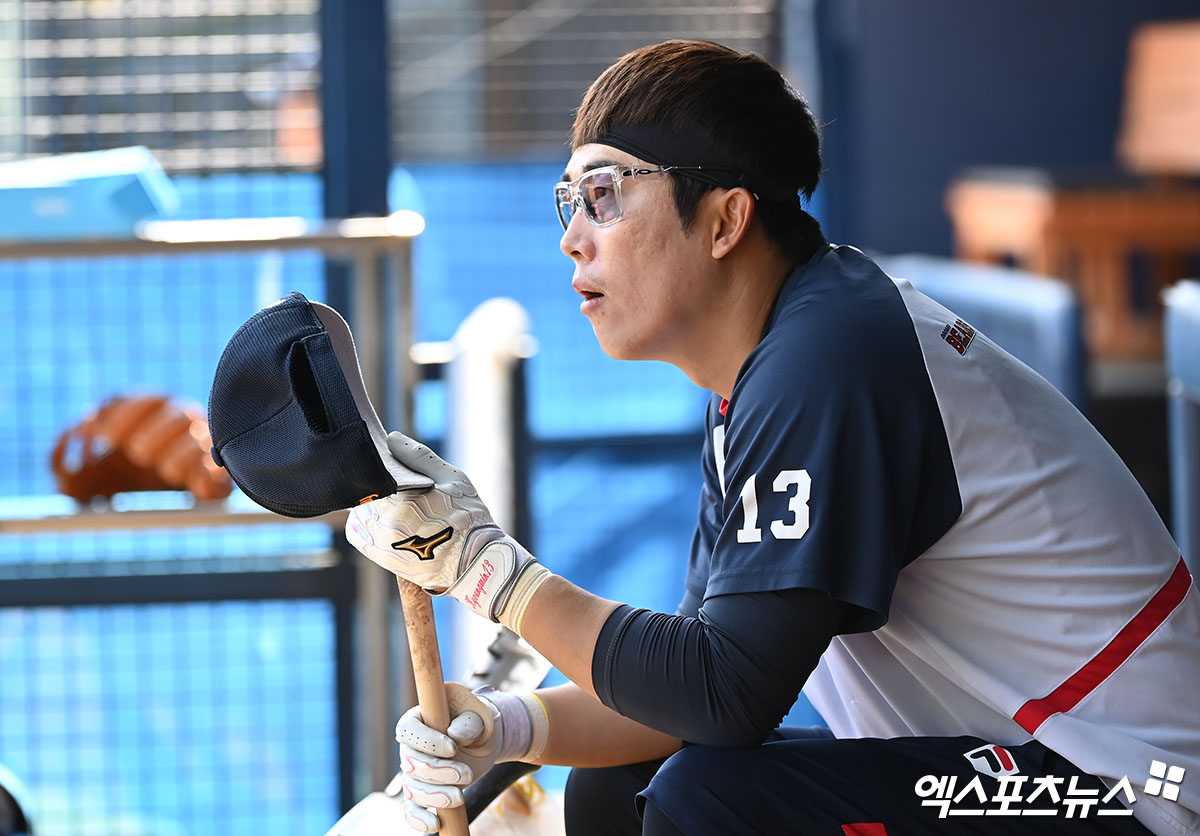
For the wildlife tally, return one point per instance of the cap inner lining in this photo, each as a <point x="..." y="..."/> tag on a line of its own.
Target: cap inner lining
<point x="343" y="347"/>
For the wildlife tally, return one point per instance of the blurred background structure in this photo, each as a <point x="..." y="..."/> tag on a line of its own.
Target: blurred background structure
<point x="151" y="706"/>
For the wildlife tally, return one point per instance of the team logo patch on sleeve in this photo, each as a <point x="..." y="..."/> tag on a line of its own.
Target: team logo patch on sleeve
<point x="959" y="335"/>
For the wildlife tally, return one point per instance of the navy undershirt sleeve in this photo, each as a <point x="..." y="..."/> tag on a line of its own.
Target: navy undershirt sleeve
<point x="725" y="677"/>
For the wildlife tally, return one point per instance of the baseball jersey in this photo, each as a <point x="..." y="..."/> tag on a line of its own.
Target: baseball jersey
<point x="1006" y="576"/>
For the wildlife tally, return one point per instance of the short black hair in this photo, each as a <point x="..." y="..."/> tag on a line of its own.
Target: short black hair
<point x="738" y="103"/>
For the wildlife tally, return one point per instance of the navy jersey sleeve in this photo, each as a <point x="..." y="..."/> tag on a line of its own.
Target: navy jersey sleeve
<point x="835" y="467"/>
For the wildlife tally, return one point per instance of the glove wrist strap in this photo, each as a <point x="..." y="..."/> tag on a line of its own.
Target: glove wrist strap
<point x="525" y="723"/>
<point x="539" y="720"/>
<point x="500" y="581"/>
<point x="512" y="614"/>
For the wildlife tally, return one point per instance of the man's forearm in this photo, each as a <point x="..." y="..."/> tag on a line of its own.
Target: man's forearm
<point x="585" y="732"/>
<point x="725" y="677"/>
<point x="563" y="622"/>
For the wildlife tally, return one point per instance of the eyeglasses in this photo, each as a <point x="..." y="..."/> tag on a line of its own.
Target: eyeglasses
<point x="598" y="191"/>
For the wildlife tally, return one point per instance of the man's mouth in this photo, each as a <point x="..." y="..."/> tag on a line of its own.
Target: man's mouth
<point x="584" y="288"/>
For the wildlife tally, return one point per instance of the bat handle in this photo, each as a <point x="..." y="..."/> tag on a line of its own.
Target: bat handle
<point x="431" y="685"/>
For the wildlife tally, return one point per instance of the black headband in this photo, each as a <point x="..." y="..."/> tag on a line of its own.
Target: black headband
<point x="662" y="146"/>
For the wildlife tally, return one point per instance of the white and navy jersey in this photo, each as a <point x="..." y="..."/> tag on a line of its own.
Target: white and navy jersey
<point x="1007" y="575"/>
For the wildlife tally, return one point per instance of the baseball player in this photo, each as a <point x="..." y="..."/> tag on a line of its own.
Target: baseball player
<point x="896" y="516"/>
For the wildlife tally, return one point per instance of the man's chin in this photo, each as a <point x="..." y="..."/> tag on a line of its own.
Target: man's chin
<point x="622" y="351"/>
<point x="612" y="347"/>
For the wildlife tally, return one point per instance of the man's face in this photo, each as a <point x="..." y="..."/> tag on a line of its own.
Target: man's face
<point x="642" y="278"/>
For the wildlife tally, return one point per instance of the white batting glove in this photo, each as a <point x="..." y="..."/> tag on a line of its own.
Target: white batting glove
<point x="488" y="727"/>
<point x="444" y="540"/>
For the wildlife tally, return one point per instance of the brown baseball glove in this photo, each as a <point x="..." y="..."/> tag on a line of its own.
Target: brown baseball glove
<point x="139" y="444"/>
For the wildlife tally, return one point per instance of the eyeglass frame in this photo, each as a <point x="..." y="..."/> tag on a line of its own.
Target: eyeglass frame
<point x="620" y="173"/>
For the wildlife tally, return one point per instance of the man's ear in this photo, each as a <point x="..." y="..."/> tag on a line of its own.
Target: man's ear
<point x="733" y="210"/>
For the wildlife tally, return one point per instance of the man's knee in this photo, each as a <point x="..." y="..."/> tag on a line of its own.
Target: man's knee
<point x="709" y="789"/>
<point x="693" y="766"/>
<point x="600" y="802"/>
<point x="589" y="791"/>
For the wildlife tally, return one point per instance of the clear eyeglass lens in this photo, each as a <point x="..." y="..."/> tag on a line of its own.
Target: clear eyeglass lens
<point x="599" y="196"/>
<point x="566" y="207"/>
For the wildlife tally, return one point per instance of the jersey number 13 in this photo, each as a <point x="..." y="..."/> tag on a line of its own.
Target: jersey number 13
<point x="787" y="529"/>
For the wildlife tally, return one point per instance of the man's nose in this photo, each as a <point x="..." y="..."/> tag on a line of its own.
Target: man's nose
<point x="576" y="242"/>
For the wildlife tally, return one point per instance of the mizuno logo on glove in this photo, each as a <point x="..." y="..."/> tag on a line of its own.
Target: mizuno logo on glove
<point x="423" y="547"/>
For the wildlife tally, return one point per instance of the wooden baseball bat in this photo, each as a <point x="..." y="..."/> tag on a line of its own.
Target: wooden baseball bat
<point x="431" y="685"/>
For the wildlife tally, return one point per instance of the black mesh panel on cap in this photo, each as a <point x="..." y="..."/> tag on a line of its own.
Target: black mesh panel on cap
<point x="290" y="419"/>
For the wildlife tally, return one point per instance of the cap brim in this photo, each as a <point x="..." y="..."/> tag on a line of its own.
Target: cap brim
<point x="347" y="356"/>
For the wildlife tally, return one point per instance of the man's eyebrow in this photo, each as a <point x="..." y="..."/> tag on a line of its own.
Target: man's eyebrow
<point x="591" y="164"/>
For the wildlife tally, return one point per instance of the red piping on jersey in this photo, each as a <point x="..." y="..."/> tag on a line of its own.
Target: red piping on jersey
<point x="1085" y="680"/>
<point x="864" y="829"/>
<point x="724" y="405"/>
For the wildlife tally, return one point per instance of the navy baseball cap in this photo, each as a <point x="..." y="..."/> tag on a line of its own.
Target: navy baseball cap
<point x="290" y="417"/>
